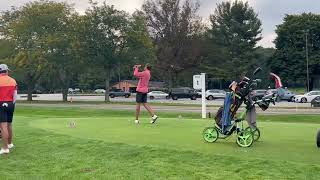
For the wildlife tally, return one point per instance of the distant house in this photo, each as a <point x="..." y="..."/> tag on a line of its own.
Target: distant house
<point x="131" y="85"/>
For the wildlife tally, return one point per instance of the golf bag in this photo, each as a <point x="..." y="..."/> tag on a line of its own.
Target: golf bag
<point x="239" y="94"/>
<point x="226" y="113"/>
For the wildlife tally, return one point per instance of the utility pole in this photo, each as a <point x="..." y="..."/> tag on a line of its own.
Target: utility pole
<point x="307" y="58"/>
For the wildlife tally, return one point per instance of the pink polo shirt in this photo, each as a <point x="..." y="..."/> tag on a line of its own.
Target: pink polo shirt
<point x="144" y="77"/>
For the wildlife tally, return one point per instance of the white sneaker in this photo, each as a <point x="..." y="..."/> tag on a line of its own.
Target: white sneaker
<point x="137" y="121"/>
<point x="4" y="151"/>
<point x="154" y="119"/>
<point x="10" y="146"/>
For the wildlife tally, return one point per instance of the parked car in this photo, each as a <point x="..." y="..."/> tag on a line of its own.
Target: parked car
<point x="307" y="97"/>
<point x="199" y="92"/>
<point x="212" y="94"/>
<point x="177" y="93"/>
<point x="288" y="95"/>
<point x="100" y="91"/>
<point x="37" y="91"/>
<point x="158" y="95"/>
<point x="315" y="102"/>
<point x="258" y="94"/>
<point x="73" y="91"/>
<point x="119" y="93"/>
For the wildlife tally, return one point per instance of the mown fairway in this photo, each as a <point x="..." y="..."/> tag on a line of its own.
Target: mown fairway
<point x="108" y="145"/>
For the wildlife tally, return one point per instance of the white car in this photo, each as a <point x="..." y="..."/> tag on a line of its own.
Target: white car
<point x="158" y="94"/>
<point x="99" y="91"/>
<point x="307" y="97"/>
<point x="73" y="91"/>
<point x="212" y="94"/>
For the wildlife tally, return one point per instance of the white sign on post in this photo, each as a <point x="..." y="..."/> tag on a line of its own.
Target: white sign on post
<point x="199" y="82"/>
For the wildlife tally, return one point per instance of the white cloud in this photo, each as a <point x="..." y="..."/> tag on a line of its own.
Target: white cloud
<point x="126" y="5"/>
<point x="267" y="40"/>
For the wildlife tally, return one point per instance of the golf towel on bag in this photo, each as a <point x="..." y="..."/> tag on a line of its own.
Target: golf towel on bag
<point x="226" y="120"/>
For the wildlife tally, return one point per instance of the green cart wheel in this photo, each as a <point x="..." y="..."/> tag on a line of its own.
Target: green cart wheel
<point x="255" y="132"/>
<point x="245" y="138"/>
<point x="210" y="134"/>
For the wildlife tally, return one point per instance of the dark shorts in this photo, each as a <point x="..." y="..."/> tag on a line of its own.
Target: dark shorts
<point x="6" y="112"/>
<point x="141" y="97"/>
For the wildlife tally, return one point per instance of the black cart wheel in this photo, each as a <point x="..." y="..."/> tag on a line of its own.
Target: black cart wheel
<point x="318" y="139"/>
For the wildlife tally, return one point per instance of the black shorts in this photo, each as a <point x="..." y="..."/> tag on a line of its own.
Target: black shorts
<point x="141" y="97"/>
<point x="6" y="112"/>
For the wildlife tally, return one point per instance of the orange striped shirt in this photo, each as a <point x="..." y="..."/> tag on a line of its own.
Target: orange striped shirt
<point x="8" y="86"/>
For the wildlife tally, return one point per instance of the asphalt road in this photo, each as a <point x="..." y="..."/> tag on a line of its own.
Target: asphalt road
<point x="172" y="108"/>
<point x="219" y="102"/>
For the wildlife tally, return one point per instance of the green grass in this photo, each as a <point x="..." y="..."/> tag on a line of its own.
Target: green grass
<point x="24" y="102"/>
<point x="102" y="102"/>
<point x="108" y="145"/>
<point x="298" y="90"/>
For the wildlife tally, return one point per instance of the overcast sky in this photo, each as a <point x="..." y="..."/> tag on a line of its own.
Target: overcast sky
<point x="271" y="12"/>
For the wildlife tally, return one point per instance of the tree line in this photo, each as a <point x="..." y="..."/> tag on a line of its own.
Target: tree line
<point x="48" y="44"/>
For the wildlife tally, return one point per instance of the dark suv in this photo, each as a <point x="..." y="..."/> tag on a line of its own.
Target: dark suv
<point x="315" y="102"/>
<point x="177" y="93"/>
<point x="119" y="93"/>
<point x="287" y="96"/>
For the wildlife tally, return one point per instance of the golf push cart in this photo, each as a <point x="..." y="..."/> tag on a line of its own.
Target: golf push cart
<point x="226" y="121"/>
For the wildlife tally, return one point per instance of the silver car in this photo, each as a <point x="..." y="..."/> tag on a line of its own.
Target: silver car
<point x="212" y="94"/>
<point x="158" y="95"/>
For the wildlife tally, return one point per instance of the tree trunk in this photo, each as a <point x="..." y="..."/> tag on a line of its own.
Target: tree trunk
<point x="175" y="79"/>
<point x="30" y="89"/>
<point x="65" y="94"/>
<point x="171" y="81"/>
<point x="106" y="97"/>
<point x="63" y="75"/>
<point x="311" y="83"/>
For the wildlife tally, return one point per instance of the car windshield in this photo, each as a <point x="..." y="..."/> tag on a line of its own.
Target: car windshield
<point x="309" y="93"/>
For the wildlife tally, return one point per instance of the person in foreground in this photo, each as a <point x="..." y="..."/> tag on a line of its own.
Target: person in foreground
<point x="8" y="96"/>
<point x="142" y="90"/>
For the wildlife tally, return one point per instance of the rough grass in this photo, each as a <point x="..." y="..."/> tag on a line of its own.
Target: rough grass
<point x="108" y="145"/>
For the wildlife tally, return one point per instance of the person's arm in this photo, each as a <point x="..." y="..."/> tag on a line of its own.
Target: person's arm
<point x="277" y="80"/>
<point x="15" y="95"/>
<point x="137" y="73"/>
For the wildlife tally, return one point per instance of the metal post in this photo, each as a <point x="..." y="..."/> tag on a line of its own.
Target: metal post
<point x="203" y="95"/>
<point x="307" y="58"/>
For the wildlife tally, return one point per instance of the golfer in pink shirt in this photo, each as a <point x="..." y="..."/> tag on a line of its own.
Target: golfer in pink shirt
<point x="142" y="90"/>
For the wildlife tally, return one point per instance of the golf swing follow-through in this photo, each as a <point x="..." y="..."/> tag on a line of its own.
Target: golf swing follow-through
<point x="142" y="90"/>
